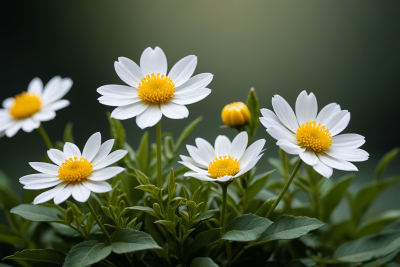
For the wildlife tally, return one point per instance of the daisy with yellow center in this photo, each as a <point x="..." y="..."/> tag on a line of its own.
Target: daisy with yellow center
<point x="152" y="93"/>
<point x="314" y="136"/>
<point x="75" y="173"/>
<point x="223" y="162"/>
<point x="28" y="109"/>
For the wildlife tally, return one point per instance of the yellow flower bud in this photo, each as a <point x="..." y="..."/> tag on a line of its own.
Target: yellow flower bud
<point x="235" y="114"/>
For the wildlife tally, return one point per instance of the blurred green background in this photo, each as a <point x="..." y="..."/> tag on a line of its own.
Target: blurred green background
<point x="344" y="51"/>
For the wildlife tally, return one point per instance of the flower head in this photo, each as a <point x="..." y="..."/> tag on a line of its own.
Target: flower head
<point x="75" y="173"/>
<point x="29" y="108"/>
<point x="235" y="114"/>
<point x="226" y="161"/>
<point x="151" y="92"/>
<point x="314" y="137"/>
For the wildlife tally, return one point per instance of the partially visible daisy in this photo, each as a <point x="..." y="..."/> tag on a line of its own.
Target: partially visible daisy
<point x="226" y="161"/>
<point x="29" y="108"/>
<point x="151" y="92"/>
<point x="315" y="138"/>
<point x="75" y="173"/>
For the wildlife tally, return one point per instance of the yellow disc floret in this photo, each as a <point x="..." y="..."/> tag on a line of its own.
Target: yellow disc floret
<point x="314" y="136"/>
<point x="156" y="89"/>
<point x="222" y="166"/>
<point x="75" y="170"/>
<point x="25" y="105"/>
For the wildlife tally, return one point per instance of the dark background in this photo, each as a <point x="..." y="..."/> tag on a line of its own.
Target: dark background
<point x="343" y="51"/>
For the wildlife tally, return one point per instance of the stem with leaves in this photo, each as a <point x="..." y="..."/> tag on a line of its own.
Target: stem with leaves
<point x="98" y="221"/>
<point x="45" y="137"/>
<point x="159" y="174"/>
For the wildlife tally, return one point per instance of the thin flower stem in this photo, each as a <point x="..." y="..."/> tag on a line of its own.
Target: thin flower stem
<point x="238" y="255"/>
<point x="98" y="221"/>
<point x="224" y="187"/>
<point x="11" y="221"/>
<point x="284" y="188"/>
<point x="159" y="177"/>
<point x="45" y="137"/>
<point x="79" y="231"/>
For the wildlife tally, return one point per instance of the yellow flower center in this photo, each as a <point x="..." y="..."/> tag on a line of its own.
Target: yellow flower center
<point x="156" y="88"/>
<point x="222" y="166"/>
<point x="25" y="105"/>
<point x="314" y="136"/>
<point x="75" y="170"/>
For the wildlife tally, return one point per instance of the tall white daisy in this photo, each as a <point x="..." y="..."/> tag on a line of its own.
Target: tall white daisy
<point x="151" y="92"/>
<point x="314" y="137"/>
<point x="226" y="161"/>
<point x="29" y="108"/>
<point x="75" y="173"/>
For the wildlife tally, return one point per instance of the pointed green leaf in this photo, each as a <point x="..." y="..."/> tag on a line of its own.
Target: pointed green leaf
<point x="43" y="255"/>
<point x="302" y="263"/>
<point x="377" y="223"/>
<point x="148" y="210"/>
<point x="117" y="132"/>
<point x="207" y="215"/>
<point x="142" y="178"/>
<point x="87" y="253"/>
<point x="171" y="185"/>
<point x="129" y="240"/>
<point x="188" y="129"/>
<point x="37" y="213"/>
<point x="246" y="228"/>
<point x="385" y="160"/>
<point x="203" y="239"/>
<point x="68" y="137"/>
<point x="203" y="262"/>
<point x="254" y="107"/>
<point x="258" y="184"/>
<point x="143" y="152"/>
<point x="263" y="210"/>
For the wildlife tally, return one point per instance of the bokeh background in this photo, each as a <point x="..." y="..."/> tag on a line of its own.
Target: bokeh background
<point x="346" y="52"/>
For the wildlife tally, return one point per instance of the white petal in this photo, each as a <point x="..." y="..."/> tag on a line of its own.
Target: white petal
<point x="8" y="102"/>
<point x="55" y="89"/>
<point x="222" y="146"/>
<point x="224" y="178"/>
<point x="80" y="193"/>
<point x="192" y="161"/>
<point x="252" y="152"/>
<point x="279" y="133"/>
<point x="6" y="121"/>
<point x="336" y="163"/>
<point x="110" y="159"/>
<point x="249" y="166"/>
<point x="36" y="186"/>
<point x="128" y="71"/>
<point x="326" y="112"/>
<point x="92" y="146"/>
<point x="190" y="96"/>
<point x="306" y="107"/>
<point x="57" y="105"/>
<point x="289" y="147"/>
<point x="129" y="111"/>
<point x="348" y="154"/>
<point x="183" y="70"/>
<point x="116" y="102"/>
<point x="113" y="90"/>
<point x="205" y="149"/>
<point x="339" y="122"/>
<point x="322" y="169"/>
<point x="309" y="157"/>
<point x="149" y="117"/>
<point x="105" y="174"/>
<point x="104" y="150"/>
<point x="193" y="168"/>
<point x="38" y="178"/>
<point x="46" y="196"/>
<point x="153" y="61"/>
<point x="29" y="124"/>
<point x="285" y="113"/>
<point x="63" y="194"/>
<point x="174" y="111"/>
<point x="202" y="177"/>
<point x="13" y="128"/>
<point x="198" y="81"/>
<point x="35" y="86"/>
<point x="348" y="140"/>
<point x="97" y="186"/>
<point x="45" y="167"/>
<point x="239" y="145"/>
<point x="57" y="156"/>
<point x="196" y="155"/>
<point x="270" y="119"/>
<point x="71" y="150"/>
<point x="44" y="115"/>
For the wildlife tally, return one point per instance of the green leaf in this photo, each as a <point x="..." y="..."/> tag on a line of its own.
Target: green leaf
<point x="43" y="255"/>
<point x="277" y="164"/>
<point x="207" y="215"/>
<point x="171" y="185"/>
<point x="376" y="224"/>
<point x="203" y="262"/>
<point x="289" y="227"/>
<point x="117" y="132"/>
<point x="188" y="129"/>
<point x="246" y="228"/>
<point x="367" y="248"/>
<point x="148" y="210"/>
<point x="4" y="265"/>
<point x="150" y="188"/>
<point x="168" y="147"/>
<point x="263" y="210"/>
<point x="87" y="253"/>
<point x="385" y="160"/>
<point x="142" y="178"/>
<point x="333" y="196"/>
<point x="68" y="137"/>
<point x="8" y="199"/>
<point x="4" y="180"/>
<point x="254" y="107"/>
<point x="37" y="213"/>
<point x="129" y="240"/>
<point x="203" y="239"/>
<point x="258" y="184"/>
<point x="143" y="152"/>
<point x="302" y="263"/>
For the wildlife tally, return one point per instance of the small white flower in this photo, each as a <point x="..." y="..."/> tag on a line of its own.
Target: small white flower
<point x="226" y="162"/>
<point x="28" y="109"/>
<point x="314" y="137"/>
<point x="75" y="173"/>
<point x="151" y="92"/>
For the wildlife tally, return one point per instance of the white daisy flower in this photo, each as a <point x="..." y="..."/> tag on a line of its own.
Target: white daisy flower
<point x="314" y="137"/>
<point x="151" y="92"/>
<point x="226" y="162"/>
<point x="75" y="173"/>
<point x="29" y="108"/>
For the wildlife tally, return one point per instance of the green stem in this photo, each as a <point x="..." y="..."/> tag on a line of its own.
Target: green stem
<point x="284" y="164"/>
<point x="238" y="255"/>
<point x="11" y="221"/>
<point x="98" y="221"/>
<point x="285" y="188"/>
<point x="45" y="137"/>
<point x="159" y="177"/>
<point x="109" y="263"/>
<point x="224" y="187"/>
<point x="228" y="251"/>
<point x="129" y="259"/>
<point x="79" y="231"/>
